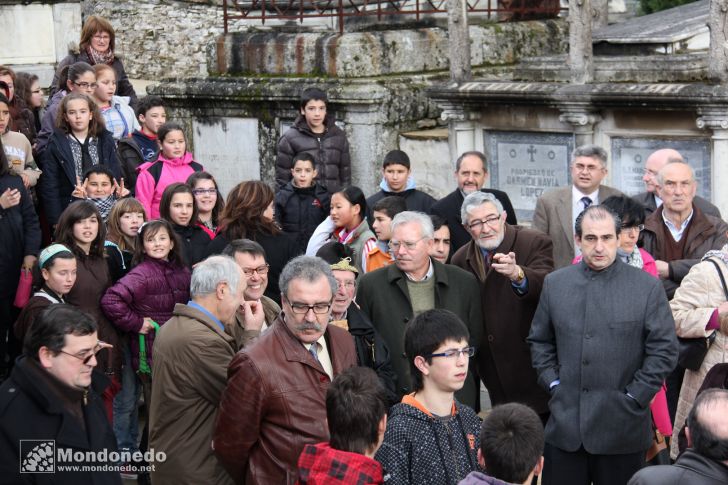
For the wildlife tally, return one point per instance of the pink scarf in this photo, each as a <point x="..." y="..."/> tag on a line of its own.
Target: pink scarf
<point x="97" y="57"/>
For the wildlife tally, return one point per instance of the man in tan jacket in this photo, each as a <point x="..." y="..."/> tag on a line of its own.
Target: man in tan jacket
<point x="191" y="356"/>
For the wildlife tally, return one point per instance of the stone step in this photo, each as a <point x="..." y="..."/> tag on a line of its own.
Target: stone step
<point x="645" y="69"/>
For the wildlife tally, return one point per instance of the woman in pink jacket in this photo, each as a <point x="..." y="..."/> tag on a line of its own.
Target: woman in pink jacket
<point x="174" y="164"/>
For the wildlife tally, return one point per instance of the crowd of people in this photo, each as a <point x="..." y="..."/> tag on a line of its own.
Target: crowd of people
<point x="310" y="334"/>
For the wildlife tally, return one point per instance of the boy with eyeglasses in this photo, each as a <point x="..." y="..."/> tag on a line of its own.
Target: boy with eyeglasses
<point x="431" y="437"/>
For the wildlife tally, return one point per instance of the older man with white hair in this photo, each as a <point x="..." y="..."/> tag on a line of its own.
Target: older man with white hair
<point x="510" y="263"/>
<point x="392" y="296"/>
<point x="192" y="352"/>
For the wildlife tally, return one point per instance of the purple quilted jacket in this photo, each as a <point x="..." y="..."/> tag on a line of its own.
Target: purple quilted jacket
<point x="151" y="289"/>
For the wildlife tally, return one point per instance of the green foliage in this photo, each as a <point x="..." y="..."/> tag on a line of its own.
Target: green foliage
<point x="652" y="6"/>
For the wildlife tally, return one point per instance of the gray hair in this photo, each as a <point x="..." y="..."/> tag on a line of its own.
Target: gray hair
<point x="477" y="199"/>
<point x="307" y="268"/>
<point x="597" y="213"/>
<point x="591" y="151"/>
<point x="420" y="218"/>
<point x="211" y="272"/>
<point x="674" y="161"/>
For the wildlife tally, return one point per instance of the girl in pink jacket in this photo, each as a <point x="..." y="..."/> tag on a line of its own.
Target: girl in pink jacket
<point x="174" y="164"/>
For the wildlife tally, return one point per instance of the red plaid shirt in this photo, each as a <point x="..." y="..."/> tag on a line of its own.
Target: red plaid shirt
<point x="321" y="464"/>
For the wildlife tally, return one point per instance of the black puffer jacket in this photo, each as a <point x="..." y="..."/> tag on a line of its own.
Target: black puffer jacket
<point x="299" y="211"/>
<point x="195" y="243"/>
<point x="331" y="149"/>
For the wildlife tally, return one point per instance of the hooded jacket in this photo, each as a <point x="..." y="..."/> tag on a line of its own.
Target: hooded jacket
<point x="149" y="191"/>
<point x="331" y="149"/>
<point x="322" y="465"/>
<point x="415" y="199"/>
<point x="299" y="210"/>
<point x="151" y="289"/>
<point x="422" y="449"/>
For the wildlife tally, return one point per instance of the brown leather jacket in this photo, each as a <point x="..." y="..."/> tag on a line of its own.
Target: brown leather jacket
<point x="274" y="404"/>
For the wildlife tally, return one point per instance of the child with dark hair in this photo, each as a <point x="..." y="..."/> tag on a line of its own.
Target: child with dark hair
<point x="382" y="214"/>
<point x="356" y="413"/>
<point x="442" y="240"/>
<point x="302" y="204"/>
<point x="100" y="187"/>
<point x="17" y="148"/>
<point x="511" y="447"/>
<point x="209" y="202"/>
<point x="178" y="206"/>
<point x="315" y="131"/>
<point x="79" y="142"/>
<point x="27" y="88"/>
<point x="142" y="146"/>
<point x="174" y="164"/>
<point x="22" y="118"/>
<point x="397" y="181"/>
<point x="432" y="438"/>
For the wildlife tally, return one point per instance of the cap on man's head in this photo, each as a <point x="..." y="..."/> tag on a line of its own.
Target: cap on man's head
<point x="396" y="157"/>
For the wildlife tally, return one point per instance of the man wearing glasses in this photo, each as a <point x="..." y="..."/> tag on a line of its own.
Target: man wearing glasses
<point x="557" y="210"/>
<point x="393" y="295"/>
<point x="510" y="263"/>
<point x="274" y="403"/>
<point x="432" y="438"/>
<point x="650" y="199"/>
<point x="53" y="393"/>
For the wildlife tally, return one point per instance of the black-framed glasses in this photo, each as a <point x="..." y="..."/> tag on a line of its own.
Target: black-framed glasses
<point x="261" y="270"/>
<point x="86" y="356"/>
<point x="86" y="85"/>
<point x="302" y="308"/>
<point x="204" y="191"/>
<point x="454" y="353"/>
<point x="491" y="222"/>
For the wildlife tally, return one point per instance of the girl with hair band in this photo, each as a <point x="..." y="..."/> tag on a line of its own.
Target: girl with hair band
<point x="79" y="143"/>
<point x="178" y="207"/>
<point x="209" y="201"/>
<point x="346" y="224"/>
<point x="19" y="244"/>
<point x="76" y="78"/>
<point x="249" y="214"/>
<point x="126" y="217"/>
<point x="80" y="229"/>
<point x="56" y="272"/>
<point x="138" y="304"/>
<point x="118" y="116"/>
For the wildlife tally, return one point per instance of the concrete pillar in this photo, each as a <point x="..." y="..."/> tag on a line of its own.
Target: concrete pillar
<point x="581" y="55"/>
<point x="582" y="120"/>
<point x="716" y="119"/>
<point x="718" y="51"/>
<point x="459" y="41"/>
<point x="462" y="135"/>
<point x="600" y="15"/>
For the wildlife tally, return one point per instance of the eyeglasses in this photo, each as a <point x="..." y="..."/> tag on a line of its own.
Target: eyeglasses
<point x="409" y="245"/>
<point x="346" y="284"/>
<point x="87" y="356"/>
<point x="631" y="227"/>
<point x="86" y="85"/>
<point x="454" y="353"/>
<point x="491" y="221"/>
<point x="302" y="308"/>
<point x="204" y="191"/>
<point x="261" y="270"/>
<point x="580" y="167"/>
<point x="102" y="37"/>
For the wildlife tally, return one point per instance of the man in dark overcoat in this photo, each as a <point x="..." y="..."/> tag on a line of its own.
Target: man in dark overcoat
<point x="510" y="263"/>
<point x="602" y="342"/>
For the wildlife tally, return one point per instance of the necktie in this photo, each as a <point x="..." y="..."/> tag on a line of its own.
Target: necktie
<point x="586" y="201"/>
<point x="313" y="350"/>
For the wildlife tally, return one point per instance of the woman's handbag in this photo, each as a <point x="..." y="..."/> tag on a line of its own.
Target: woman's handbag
<point x="25" y="285"/>
<point x="693" y="350"/>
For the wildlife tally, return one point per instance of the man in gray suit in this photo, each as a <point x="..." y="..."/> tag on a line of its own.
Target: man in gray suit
<point x="602" y="341"/>
<point x="557" y="209"/>
<point x="650" y="199"/>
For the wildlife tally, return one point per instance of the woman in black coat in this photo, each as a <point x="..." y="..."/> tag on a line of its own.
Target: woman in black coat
<point x="19" y="245"/>
<point x="248" y="214"/>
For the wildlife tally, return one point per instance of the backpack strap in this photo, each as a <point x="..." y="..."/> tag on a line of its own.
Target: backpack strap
<point x="155" y="170"/>
<point x="720" y="274"/>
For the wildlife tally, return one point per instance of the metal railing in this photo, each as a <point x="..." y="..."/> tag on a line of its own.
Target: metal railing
<point x="300" y="10"/>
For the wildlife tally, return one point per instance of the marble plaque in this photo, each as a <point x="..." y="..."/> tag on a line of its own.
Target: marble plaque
<point x="525" y="165"/>
<point x="27" y="34"/>
<point x="228" y="149"/>
<point x="629" y="155"/>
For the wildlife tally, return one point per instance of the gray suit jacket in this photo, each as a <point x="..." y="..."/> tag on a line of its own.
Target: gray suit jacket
<point x="647" y="199"/>
<point x="553" y="216"/>
<point x="603" y="335"/>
